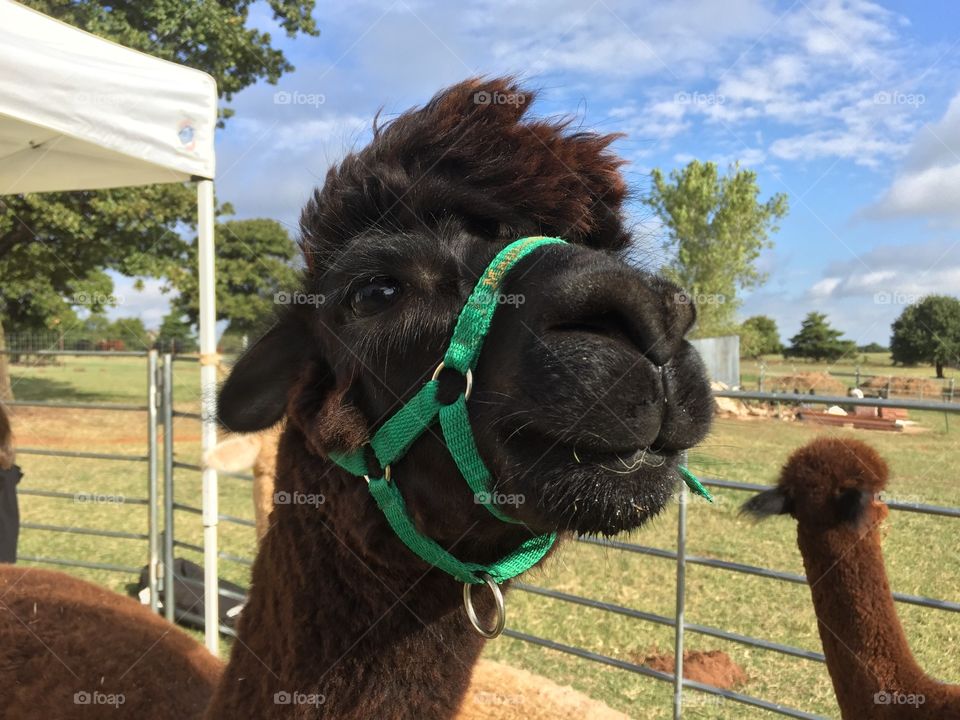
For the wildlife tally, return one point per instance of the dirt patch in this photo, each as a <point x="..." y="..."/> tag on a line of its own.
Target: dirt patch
<point x="909" y="386"/>
<point x="711" y="667"/>
<point x="822" y="383"/>
<point x="501" y="692"/>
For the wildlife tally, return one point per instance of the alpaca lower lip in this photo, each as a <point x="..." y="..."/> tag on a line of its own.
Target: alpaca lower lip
<point x="624" y="461"/>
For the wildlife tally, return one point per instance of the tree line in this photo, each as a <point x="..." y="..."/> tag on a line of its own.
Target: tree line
<point x="926" y="332"/>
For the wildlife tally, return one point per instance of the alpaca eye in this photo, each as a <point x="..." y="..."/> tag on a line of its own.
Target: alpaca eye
<point x="375" y="295"/>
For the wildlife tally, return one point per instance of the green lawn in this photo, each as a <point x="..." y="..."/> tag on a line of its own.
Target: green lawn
<point x="921" y="558"/>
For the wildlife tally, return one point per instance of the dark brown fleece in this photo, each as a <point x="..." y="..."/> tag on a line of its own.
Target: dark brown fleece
<point x="867" y="652"/>
<point x="341" y="616"/>
<point x="64" y="641"/>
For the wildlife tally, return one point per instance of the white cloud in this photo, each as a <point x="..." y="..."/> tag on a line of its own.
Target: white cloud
<point x="929" y="182"/>
<point x="823" y="288"/>
<point x="861" y="149"/>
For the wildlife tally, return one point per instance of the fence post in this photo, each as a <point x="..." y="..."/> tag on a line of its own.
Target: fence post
<point x="681" y="592"/>
<point x="168" y="580"/>
<point x="763" y="370"/>
<point x="153" y="554"/>
<point x="857" y="376"/>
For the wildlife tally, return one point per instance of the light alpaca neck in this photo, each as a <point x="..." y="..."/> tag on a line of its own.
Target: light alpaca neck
<point x="866" y="650"/>
<point x="339" y="608"/>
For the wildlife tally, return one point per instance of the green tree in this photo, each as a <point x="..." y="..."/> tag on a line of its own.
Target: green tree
<point x="54" y="246"/>
<point x="175" y="334"/>
<point x="716" y="228"/>
<point x="818" y="341"/>
<point x="759" y="336"/>
<point x="928" y="332"/>
<point x="254" y="268"/>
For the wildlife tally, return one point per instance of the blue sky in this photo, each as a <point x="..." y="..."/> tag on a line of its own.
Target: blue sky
<point x="851" y="108"/>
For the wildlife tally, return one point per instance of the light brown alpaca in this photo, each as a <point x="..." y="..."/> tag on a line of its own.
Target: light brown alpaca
<point x="830" y="486"/>
<point x="259" y="452"/>
<point x="7" y="455"/>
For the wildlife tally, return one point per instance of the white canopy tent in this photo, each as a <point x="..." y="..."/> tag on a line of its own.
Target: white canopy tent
<point x="78" y="112"/>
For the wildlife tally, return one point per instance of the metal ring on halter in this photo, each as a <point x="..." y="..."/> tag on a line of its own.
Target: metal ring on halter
<point x="472" y="614"/>
<point x="468" y="374"/>
<point x="386" y="474"/>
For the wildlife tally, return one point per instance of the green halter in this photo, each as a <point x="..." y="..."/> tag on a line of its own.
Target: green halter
<point x="398" y="433"/>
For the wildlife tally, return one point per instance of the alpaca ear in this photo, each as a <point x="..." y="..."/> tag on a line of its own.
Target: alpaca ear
<point x="254" y="396"/>
<point x="770" y="502"/>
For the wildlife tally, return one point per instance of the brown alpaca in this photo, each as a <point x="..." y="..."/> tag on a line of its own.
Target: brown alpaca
<point x="830" y="486"/>
<point x="70" y="649"/>
<point x="584" y="396"/>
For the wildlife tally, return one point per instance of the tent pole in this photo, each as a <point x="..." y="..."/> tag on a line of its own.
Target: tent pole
<point x="208" y="390"/>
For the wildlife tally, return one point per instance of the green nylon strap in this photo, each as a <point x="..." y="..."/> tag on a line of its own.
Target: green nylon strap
<point x="474" y="321"/>
<point x="694" y="484"/>
<point x="388" y="498"/>
<point x="458" y="435"/>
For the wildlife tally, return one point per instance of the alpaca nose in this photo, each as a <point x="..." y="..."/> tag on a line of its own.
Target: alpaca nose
<point x="643" y="310"/>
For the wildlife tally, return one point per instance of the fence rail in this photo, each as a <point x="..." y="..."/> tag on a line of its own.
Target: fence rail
<point x="150" y="539"/>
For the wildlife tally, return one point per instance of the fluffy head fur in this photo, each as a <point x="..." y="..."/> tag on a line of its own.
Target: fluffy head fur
<point x="471" y="154"/>
<point x="827" y="482"/>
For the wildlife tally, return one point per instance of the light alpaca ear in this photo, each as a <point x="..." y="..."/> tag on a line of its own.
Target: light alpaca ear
<point x="254" y="396"/>
<point x="770" y="502"/>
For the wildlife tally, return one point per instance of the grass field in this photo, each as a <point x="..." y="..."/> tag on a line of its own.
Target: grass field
<point x="921" y="558"/>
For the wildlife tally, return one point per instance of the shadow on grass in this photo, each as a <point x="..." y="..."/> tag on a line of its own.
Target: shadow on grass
<point x="26" y="388"/>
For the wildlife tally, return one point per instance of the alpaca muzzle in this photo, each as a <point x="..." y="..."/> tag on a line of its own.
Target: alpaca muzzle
<point x="445" y="397"/>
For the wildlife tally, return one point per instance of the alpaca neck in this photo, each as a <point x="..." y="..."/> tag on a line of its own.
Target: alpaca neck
<point x="867" y="652"/>
<point x="343" y="619"/>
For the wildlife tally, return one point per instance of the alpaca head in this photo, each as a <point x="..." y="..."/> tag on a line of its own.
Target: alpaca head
<point x="826" y="483"/>
<point x="585" y="392"/>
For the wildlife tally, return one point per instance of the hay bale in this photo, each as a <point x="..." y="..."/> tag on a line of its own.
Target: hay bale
<point x="501" y="692"/>
<point x="822" y="383"/>
<point x="905" y="386"/>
